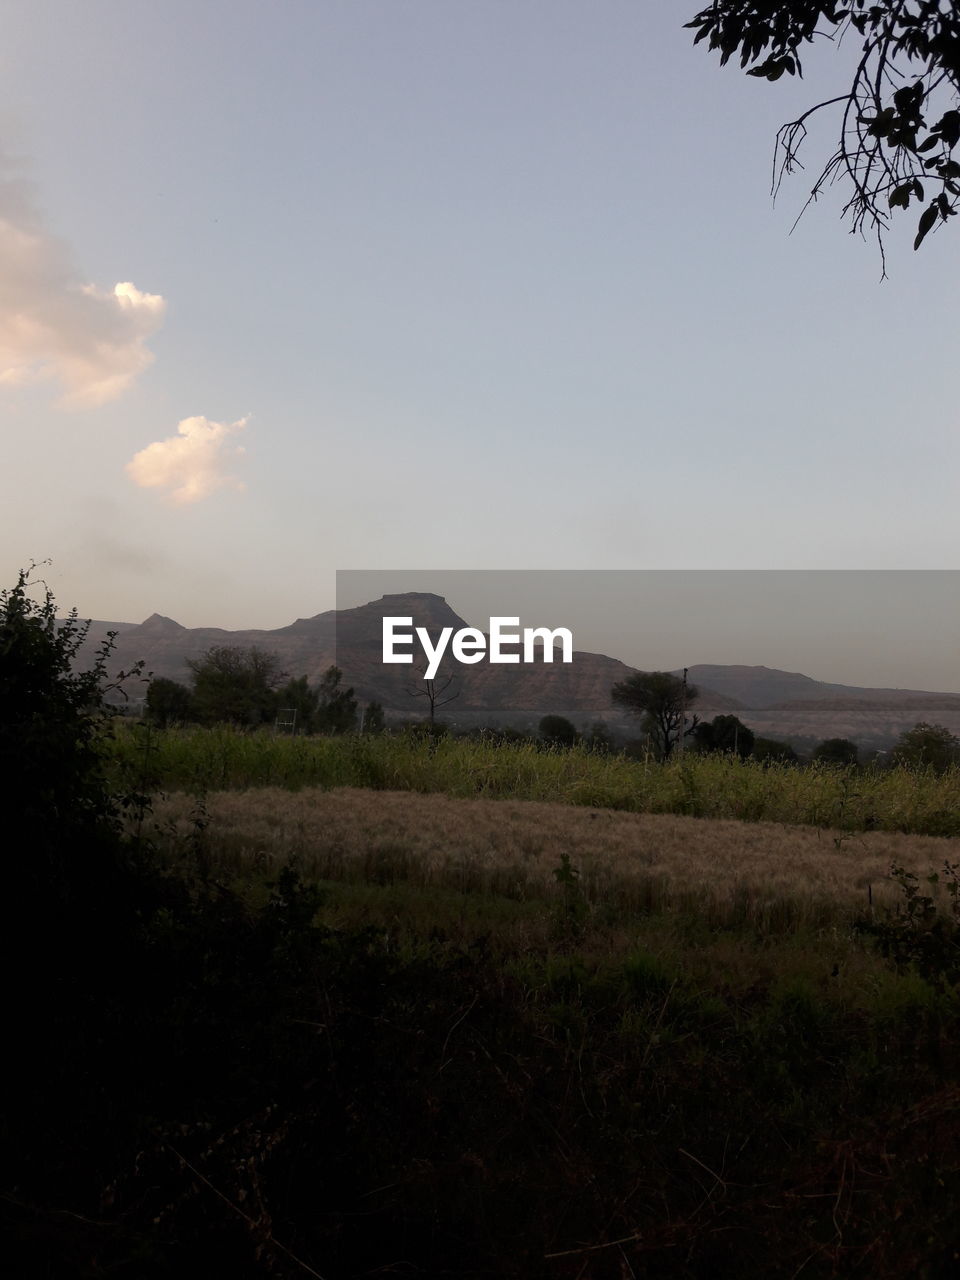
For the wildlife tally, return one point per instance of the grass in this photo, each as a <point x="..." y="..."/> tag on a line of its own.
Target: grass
<point x="845" y="800"/>
<point x="639" y="862"/>
<point x="433" y="1013"/>
<point x="721" y="903"/>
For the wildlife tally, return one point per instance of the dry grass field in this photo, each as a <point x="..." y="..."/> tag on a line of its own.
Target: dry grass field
<point x="511" y="849"/>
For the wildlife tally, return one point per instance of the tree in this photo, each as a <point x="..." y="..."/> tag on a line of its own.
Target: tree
<point x="168" y="702"/>
<point x="373" y="720"/>
<point x="558" y="731"/>
<point x="837" y="751"/>
<point x="727" y="734"/>
<point x="661" y="700"/>
<point x="898" y="116"/>
<point x="337" y="709"/>
<point x="768" y="750"/>
<point x="235" y="685"/>
<point x="434" y="691"/>
<point x="598" y="737"/>
<point x="297" y="696"/>
<point x="930" y="745"/>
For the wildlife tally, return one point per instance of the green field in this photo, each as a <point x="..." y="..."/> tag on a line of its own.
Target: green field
<point x="899" y="799"/>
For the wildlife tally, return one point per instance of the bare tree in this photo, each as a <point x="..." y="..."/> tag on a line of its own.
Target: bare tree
<point x="433" y="691"/>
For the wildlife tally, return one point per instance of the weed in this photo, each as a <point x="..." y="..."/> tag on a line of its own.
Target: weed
<point x="922" y="933"/>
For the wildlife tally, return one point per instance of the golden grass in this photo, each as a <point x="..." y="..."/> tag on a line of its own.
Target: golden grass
<point x="725" y="870"/>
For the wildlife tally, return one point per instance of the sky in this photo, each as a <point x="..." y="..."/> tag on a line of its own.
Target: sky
<point x="353" y="284"/>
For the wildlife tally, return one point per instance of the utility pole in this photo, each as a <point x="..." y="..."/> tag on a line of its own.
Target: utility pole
<point x="683" y="710"/>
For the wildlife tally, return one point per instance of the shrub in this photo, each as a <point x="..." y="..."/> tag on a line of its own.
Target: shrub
<point x="52" y="720"/>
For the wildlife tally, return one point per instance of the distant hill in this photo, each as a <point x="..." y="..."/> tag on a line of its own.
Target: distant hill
<point x="768" y="687"/>
<point x="781" y="704"/>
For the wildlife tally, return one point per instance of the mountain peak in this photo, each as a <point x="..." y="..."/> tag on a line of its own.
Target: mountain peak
<point x="157" y="624"/>
<point x="426" y="596"/>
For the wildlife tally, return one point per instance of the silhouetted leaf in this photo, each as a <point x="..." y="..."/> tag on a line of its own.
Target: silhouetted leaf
<point x="927" y="219"/>
<point x="948" y="126"/>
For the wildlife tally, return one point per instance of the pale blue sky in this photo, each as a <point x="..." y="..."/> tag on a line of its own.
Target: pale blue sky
<point x="495" y="284"/>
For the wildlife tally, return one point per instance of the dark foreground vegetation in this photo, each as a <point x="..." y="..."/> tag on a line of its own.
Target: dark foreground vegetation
<point x="230" y="1076"/>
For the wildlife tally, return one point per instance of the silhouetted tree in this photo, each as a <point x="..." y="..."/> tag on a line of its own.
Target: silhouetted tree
<point x="438" y="692"/>
<point x="769" y="750"/>
<point x="298" y="696"/>
<point x="60" y="804"/>
<point x="660" y="699"/>
<point x="168" y="702"/>
<point x="373" y="718"/>
<point x="337" y="709"/>
<point x="727" y="734"/>
<point x="837" y="751"/>
<point x="557" y="731"/>
<point x="235" y="685"/>
<point x="598" y="737"/>
<point x="928" y="744"/>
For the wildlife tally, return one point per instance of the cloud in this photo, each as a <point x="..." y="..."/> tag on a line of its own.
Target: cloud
<point x="55" y="326"/>
<point x="193" y="463"/>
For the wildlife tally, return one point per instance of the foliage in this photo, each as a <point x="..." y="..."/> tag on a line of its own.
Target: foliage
<point x="558" y="731"/>
<point x="373" y="718"/>
<point x="597" y="737"/>
<point x="298" y="697"/>
<point x="928" y="745"/>
<point x="337" y="708"/>
<point x="51" y="724"/>
<point x="275" y="1096"/>
<point x="726" y="734"/>
<point x="765" y="788"/>
<point x="660" y="699"/>
<point x="232" y="685"/>
<point x="168" y="702"/>
<point x="769" y="749"/>
<point x="573" y="908"/>
<point x="919" y="934"/>
<point x="837" y="751"/>
<point x="899" y="122"/>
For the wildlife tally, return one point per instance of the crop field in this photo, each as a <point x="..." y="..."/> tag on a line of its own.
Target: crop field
<point x="707" y="896"/>
<point x="625" y="862"/>
<point x="477" y="1010"/>
<point x="203" y="760"/>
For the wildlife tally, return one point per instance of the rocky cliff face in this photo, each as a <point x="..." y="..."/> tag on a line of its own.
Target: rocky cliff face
<point x="773" y="703"/>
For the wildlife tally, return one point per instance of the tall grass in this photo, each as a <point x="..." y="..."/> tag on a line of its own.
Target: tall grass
<point x="847" y="800"/>
<point x="769" y="879"/>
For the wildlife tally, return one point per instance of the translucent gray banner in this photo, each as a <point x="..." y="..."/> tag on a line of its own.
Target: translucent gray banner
<point x="804" y="654"/>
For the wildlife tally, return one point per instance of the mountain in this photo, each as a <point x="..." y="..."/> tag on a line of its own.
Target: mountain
<point x="768" y="687"/>
<point x="773" y="703"/>
<point x="789" y="705"/>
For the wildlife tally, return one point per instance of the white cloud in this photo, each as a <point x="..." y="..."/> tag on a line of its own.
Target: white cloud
<point x="53" y="325"/>
<point x="193" y="463"/>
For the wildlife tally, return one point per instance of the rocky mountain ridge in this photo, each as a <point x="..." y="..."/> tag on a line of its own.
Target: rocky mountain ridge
<point x="773" y="703"/>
